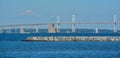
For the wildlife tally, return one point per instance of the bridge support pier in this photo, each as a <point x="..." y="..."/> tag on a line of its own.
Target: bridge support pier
<point x="9" y="29"/>
<point x="73" y="27"/>
<point x="21" y="29"/>
<point x="36" y="29"/>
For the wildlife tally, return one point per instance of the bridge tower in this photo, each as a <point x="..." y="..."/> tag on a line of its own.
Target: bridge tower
<point x="73" y="23"/>
<point x="58" y="24"/>
<point x="115" y="24"/>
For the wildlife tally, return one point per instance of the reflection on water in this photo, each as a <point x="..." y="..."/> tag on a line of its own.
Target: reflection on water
<point x="20" y="49"/>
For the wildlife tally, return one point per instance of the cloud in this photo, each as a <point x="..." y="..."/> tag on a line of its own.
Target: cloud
<point x="26" y="12"/>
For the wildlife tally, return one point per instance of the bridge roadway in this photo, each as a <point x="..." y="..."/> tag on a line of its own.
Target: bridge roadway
<point x="19" y="25"/>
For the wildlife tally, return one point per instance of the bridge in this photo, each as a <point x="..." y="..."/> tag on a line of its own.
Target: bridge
<point x="51" y="28"/>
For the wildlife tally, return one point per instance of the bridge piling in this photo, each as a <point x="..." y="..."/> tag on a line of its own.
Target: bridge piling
<point x="36" y="28"/>
<point x="21" y="29"/>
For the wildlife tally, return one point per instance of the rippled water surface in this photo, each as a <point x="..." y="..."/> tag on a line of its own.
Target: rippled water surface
<point x="22" y="49"/>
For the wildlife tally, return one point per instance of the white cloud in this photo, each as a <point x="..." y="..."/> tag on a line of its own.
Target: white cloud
<point x="26" y="12"/>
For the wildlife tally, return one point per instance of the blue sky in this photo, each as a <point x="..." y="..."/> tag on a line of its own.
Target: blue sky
<point x="36" y="11"/>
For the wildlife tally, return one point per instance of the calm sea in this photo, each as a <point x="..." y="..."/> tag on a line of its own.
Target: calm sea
<point x="22" y="49"/>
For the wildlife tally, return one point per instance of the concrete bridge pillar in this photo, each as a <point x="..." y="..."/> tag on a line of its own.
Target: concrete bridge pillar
<point x="21" y="29"/>
<point x="36" y="29"/>
<point x="9" y="29"/>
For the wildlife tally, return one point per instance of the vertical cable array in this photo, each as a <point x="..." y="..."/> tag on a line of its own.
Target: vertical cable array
<point x="115" y="24"/>
<point x="73" y="23"/>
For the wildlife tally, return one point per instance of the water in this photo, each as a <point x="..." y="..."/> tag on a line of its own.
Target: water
<point x="21" y="49"/>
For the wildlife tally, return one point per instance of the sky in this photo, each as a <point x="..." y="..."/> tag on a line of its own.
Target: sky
<point x="37" y="11"/>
